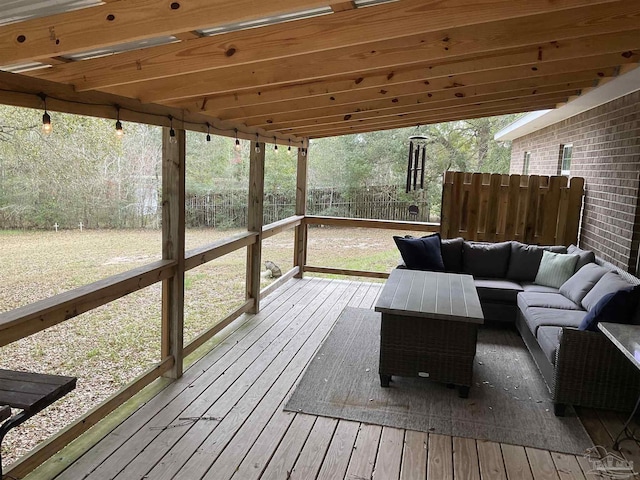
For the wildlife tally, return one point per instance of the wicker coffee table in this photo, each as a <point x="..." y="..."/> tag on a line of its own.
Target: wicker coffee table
<point x="429" y="327"/>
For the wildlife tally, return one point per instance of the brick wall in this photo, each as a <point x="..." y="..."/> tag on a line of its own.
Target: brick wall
<point x="606" y="152"/>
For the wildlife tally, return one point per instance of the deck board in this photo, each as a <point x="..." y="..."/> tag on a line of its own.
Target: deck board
<point x="237" y="392"/>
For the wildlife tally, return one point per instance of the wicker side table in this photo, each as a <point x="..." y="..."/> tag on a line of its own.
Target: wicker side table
<point x="429" y="327"/>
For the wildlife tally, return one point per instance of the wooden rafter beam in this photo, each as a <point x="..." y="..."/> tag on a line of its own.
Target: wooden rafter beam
<point x="416" y="104"/>
<point x="543" y="59"/>
<point x="336" y="132"/>
<point x="126" y="21"/>
<point x="480" y="101"/>
<point x="402" y="121"/>
<point x="467" y="85"/>
<point x="380" y="23"/>
<point x="22" y="91"/>
<point x="437" y="47"/>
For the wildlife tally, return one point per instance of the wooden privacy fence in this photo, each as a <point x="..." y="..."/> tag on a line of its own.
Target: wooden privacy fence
<point x="529" y="208"/>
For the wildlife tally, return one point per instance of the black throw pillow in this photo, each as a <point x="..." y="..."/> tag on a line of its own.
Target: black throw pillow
<point x="421" y="253"/>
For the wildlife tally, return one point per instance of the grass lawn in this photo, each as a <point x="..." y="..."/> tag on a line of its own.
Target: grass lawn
<point x="107" y="347"/>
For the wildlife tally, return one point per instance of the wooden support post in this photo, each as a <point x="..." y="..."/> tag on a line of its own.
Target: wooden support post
<point x="300" y="239"/>
<point x="254" y="223"/>
<point x="173" y="219"/>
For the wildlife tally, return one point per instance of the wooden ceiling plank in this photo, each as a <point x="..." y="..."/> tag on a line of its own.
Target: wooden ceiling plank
<point x="379" y="23"/>
<point x="432" y="47"/>
<point x="439" y="106"/>
<point x="127" y="21"/>
<point x="429" y="117"/>
<point x="553" y="57"/>
<point x="420" y="103"/>
<point x="22" y="91"/>
<point x="334" y="130"/>
<point x="337" y="130"/>
<point x="414" y="125"/>
<point x="405" y="94"/>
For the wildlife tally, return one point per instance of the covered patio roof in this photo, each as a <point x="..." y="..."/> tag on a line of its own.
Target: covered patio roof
<point x="296" y="69"/>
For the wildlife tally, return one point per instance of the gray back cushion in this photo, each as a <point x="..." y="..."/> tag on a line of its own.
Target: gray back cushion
<point x="489" y="260"/>
<point x="451" y="250"/>
<point x="581" y="283"/>
<point x="584" y="256"/>
<point x="608" y="283"/>
<point x="525" y="260"/>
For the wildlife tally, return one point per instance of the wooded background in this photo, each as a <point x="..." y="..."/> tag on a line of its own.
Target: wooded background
<point x="83" y="173"/>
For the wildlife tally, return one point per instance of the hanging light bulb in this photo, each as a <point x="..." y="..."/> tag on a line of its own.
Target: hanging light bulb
<point x="119" y="130"/>
<point x="275" y="142"/>
<point x="289" y="149"/>
<point x="47" y="128"/>
<point x="208" y="132"/>
<point x="303" y="152"/>
<point x="237" y="145"/>
<point x="172" y="132"/>
<point x="257" y="143"/>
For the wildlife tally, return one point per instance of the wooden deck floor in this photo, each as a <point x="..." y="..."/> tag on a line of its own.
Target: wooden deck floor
<point x="224" y="420"/>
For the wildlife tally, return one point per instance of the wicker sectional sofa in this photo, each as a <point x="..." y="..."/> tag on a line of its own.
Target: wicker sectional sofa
<point x="580" y="367"/>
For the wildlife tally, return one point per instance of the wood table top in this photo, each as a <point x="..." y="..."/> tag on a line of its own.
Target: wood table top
<point x="446" y="296"/>
<point x="32" y="391"/>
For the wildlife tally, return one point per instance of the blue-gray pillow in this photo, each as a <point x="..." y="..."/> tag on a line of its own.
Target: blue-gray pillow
<point x="421" y="253"/>
<point x="615" y="307"/>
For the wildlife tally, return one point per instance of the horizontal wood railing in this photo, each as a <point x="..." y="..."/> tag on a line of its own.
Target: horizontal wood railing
<point x="362" y="223"/>
<point x="372" y="223"/>
<point x="281" y="226"/>
<point x="38" y="316"/>
<point x="345" y="271"/>
<point x="201" y="255"/>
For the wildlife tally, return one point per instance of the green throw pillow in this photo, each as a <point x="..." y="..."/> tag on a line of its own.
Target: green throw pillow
<point x="555" y="269"/>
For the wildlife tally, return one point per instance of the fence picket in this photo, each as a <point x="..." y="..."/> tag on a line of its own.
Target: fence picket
<point x="533" y="209"/>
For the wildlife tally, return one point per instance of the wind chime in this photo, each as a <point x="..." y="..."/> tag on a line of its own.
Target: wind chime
<point x="415" y="165"/>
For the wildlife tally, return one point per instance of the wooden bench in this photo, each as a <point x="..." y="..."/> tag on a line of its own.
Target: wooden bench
<point x="30" y="393"/>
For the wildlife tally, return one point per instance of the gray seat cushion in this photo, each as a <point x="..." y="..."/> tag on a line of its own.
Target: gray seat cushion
<point x="534" y="287"/>
<point x="548" y="339"/>
<point x="494" y="290"/>
<point x="551" y="317"/>
<point x="546" y="300"/>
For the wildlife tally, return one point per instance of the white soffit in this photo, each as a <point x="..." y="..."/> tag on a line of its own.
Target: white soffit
<point x="616" y="88"/>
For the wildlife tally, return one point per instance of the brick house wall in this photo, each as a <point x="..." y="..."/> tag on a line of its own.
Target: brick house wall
<point x="606" y="152"/>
